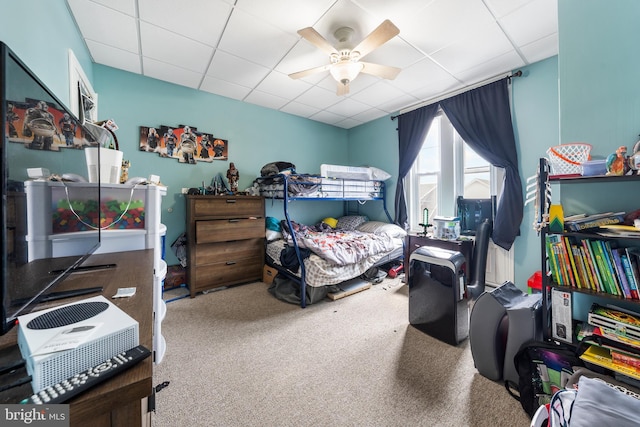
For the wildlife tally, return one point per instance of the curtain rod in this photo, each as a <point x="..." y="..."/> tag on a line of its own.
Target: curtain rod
<point x="457" y="92"/>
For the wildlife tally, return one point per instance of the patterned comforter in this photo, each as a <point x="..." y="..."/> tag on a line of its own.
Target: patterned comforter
<point x="340" y="247"/>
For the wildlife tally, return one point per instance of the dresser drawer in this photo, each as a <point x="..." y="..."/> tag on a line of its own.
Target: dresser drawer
<point x="230" y="207"/>
<point x="224" y="274"/>
<point x="221" y="230"/>
<point x="210" y="253"/>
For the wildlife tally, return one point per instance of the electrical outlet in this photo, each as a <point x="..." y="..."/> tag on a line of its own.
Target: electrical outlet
<point x="185" y="190"/>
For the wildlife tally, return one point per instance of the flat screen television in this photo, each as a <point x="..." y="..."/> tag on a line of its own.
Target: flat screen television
<point x="38" y="132"/>
<point x="472" y="212"/>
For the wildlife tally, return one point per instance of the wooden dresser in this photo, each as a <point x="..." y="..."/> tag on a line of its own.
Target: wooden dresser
<point x="225" y="241"/>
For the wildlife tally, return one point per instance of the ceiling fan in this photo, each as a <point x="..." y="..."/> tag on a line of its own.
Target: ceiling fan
<point x="345" y="61"/>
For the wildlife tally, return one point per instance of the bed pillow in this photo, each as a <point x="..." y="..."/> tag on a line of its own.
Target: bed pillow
<point x="379" y="227"/>
<point x="350" y="222"/>
<point x="379" y="174"/>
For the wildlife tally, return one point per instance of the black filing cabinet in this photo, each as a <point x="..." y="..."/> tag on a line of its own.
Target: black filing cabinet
<point x="437" y="302"/>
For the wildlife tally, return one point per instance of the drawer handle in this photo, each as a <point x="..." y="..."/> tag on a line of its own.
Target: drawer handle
<point x="230" y="262"/>
<point x="231" y="200"/>
<point x="234" y="220"/>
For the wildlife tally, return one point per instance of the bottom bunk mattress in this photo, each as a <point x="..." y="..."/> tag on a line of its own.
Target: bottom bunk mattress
<point x="320" y="272"/>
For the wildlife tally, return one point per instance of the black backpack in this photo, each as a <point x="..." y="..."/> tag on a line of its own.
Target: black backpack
<point x="543" y="368"/>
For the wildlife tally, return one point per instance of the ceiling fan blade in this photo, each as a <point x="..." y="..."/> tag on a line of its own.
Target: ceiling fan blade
<point x="385" y="32"/>
<point x="313" y="37"/>
<point x="343" y="89"/>
<point x="305" y="73"/>
<point x="384" y="71"/>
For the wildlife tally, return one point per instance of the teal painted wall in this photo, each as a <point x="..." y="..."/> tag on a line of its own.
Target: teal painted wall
<point x="599" y="98"/>
<point x="256" y="136"/>
<point x="536" y="127"/>
<point x="41" y="32"/>
<point x="598" y="68"/>
<point x="376" y="144"/>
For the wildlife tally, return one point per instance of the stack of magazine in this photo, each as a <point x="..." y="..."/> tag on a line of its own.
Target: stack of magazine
<point x="615" y="340"/>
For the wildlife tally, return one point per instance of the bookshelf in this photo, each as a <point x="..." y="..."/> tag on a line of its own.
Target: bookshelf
<point x="589" y="263"/>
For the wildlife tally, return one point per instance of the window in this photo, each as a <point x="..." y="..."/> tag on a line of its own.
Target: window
<point x="445" y="168"/>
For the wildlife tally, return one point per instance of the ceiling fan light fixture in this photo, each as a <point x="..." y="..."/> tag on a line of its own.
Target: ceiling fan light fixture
<point x="345" y="72"/>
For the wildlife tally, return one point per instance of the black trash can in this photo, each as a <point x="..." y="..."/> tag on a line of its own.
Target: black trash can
<point x="437" y="302"/>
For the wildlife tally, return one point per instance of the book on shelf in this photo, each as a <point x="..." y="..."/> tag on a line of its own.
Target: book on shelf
<point x="593" y="271"/>
<point x="602" y="266"/>
<point x="606" y="250"/>
<point x="626" y="265"/>
<point x="569" y="250"/>
<point x="619" y="230"/>
<point x="622" y="276"/>
<point x="633" y="255"/>
<point x="585" y="222"/>
<point x="602" y="357"/>
<point x="553" y="260"/>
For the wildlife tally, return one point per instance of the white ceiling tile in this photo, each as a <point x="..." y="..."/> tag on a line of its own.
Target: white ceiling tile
<point x="327" y="117"/>
<point x="501" y="8"/>
<point x="369" y="115"/>
<point x="378" y="93"/>
<point x="282" y="85"/>
<point x="443" y="22"/>
<point x="396" y="104"/>
<point x="265" y="100"/>
<point x="348" y="107"/>
<point x="170" y="73"/>
<point x="287" y="15"/>
<point x="98" y="23"/>
<point x="205" y="26"/>
<point x="299" y="109"/>
<point x="419" y="75"/>
<point x="163" y="45"/>
<point x="541" y="49"/>
<point x="113" y="57"/>
<point x="236" y="70"/>
<point x="535" y="20"/>
<point x="251" y="38"/>
<point x="486" y="44"/>
<point x="220" y="87"/>
<point x="318" y="97"/>
<point x="124" y="6"/>
<point x="303" y="56"/>
<point x="348" y="123"/>
<point x="502" y="64"/>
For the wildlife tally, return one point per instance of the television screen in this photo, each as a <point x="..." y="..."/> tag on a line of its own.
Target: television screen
<point x="473" y="212"/>
<point x="41" y="141"/>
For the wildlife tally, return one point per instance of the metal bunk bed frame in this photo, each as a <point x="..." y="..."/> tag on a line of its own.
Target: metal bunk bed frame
<point x="338" y="192"/>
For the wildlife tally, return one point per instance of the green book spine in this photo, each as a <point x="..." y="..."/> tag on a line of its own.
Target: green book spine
<point x="606" y="247"/>
<point x="553" y="264"/>
<point x="601" y="266"/>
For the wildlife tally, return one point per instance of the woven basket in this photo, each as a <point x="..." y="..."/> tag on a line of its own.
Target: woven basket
<point x="566" y="159"/>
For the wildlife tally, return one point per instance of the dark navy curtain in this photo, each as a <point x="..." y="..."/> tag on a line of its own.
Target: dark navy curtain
<point x="412" y="130"/>
<point x="482" y="117"/>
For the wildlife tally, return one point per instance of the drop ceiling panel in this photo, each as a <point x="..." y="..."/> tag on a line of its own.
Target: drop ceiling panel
<point x="165" y="46"/>
<point x="170" y="73"/>
<point x="245" y="49"/>
<point x="116" y="58"/>
<point x="105" y="25"/>
<point x="230" y="68"/>
<point x="249" y="37"/>
<point x="206" y="26"/>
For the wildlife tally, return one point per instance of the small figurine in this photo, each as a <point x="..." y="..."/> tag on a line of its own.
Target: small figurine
<point x="233" y="175"/>
<point x="616" y="161"/>
<point x="124" y="175"/>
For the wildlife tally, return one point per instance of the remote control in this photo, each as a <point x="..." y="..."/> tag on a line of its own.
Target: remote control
<point x="65" y="390"/>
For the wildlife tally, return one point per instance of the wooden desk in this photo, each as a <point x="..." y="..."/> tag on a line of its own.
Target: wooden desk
<point x="414" y="241"/>
<point x="121" y="400"/>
